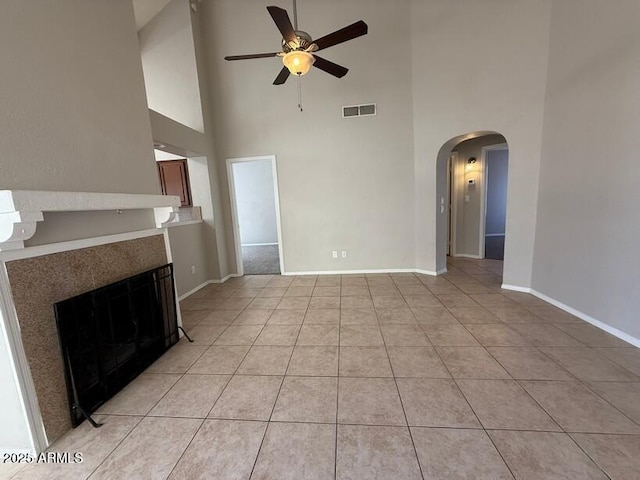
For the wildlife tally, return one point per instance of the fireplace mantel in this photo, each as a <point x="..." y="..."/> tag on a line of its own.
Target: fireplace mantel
<point x="21" y="210"/>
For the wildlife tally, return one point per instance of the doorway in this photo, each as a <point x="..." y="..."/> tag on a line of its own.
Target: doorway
<point x="255" y="207"/>
<point x="461" y="202"/>
<point x="496" y="171"/>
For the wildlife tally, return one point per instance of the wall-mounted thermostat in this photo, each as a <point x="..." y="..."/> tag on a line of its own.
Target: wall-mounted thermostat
<point x="471" y="181"/>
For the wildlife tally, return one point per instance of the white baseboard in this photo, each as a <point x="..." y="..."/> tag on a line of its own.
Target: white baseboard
<point x="351" y="272"/>
<point x="465" y="255"/>
<point x="348" y="272"/>
<point x="587" y="318"/>
<point x="430" y="272"/>
<point x="577" y="313"/>
<point x="204" y="284"/>
<point x="193" y="290"/>
<point x="516" y="288"/>
<point x="257" y="244"/>
<point x="224" y="279"/>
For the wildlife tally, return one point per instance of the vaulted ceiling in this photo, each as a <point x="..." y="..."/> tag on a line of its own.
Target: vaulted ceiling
<point x="145" y="10"/>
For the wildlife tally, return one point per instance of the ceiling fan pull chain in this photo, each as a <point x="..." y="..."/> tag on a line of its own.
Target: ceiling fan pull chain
<point x="300" y="92"/>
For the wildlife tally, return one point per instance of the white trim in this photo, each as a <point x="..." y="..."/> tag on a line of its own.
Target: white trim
<point x="577" y="313"/>
<point x="453" y="200"/>
<point x="431" y="272"/>
<point x="48" y="249"/>
<point x="234" y="207"/>
<point x="204" y="284"/>
<point x="182" y="223"/>
<point x="465" y="255"/>
<point x="494" y="235"/>
<point x="515" y="288"/>
<point x="224" y="279"/>
<point x="350" y="272"/>
<point x="589" y="319"/>
<point x="257" y="244"/>
<point x="194" y="290"/>
<point x="20" y="366"/>
<point x="21" y="210"/>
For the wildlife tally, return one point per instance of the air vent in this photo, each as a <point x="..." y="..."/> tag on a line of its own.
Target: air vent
<point x="359" y="110"/>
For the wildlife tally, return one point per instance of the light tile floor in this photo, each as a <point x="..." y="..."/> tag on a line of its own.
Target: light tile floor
<point x="397" y="376"/>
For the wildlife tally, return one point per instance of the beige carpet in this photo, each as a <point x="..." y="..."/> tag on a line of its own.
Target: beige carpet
<point x="261" y="260"/>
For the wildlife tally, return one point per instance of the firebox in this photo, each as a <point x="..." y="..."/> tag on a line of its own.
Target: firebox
<point x="108" y="336"/>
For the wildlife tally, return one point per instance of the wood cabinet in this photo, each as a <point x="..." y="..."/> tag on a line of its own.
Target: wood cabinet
<point x="174" y="180"/>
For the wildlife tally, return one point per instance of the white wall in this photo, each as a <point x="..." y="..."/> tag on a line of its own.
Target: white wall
<point x="169" y="63"/>
<point x="73" y="118"/>
<point x="14" y="431"/>
<point x="186" y="142"/>
<point x="586" y="252"/>
<point x="200" y="179"/>
<point x="478" y="66"/>
<point x="187" y="251"/>
<point x="255" y="202"/>
<point x="345" y="184"/>
<point x="73" y="114"/>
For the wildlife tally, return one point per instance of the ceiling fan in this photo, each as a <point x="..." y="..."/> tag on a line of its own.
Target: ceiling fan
<point x="298" y="48"/>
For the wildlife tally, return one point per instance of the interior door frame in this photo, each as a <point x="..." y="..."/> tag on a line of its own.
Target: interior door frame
<point x="452" y="201"/>
<point x="234" y="207"/>
<point x="483" y="197"/>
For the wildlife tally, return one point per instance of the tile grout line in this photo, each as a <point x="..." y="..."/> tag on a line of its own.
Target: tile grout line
<point x="335" y="455"/>
<point x="116" y="447"/>
<point x="476" y="415"/>
<point x="518" y="382"/>
<point x="435" y="427"/>
<point x="221" y="391"/>
<point x="264" y="435"/>
<point x="395" y="382"/>
<point x="563" y="430"/>
<point x="455" y="381"/>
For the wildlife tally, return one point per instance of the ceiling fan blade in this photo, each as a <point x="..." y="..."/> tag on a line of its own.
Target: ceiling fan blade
<point x="330" y="67"/>
<point x="250" y="56"/>
<point x="282" y="21"/>
<point x="344" y="34"/>
<point x="282" y="76"/>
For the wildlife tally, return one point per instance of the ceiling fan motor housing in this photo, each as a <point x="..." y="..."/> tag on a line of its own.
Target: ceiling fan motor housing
<point x="302" y="42"/>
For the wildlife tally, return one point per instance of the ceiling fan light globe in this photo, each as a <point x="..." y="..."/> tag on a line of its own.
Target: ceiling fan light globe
<point x="298" y="62"/>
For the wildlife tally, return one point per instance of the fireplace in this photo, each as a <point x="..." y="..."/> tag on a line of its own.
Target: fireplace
<point x="109" y="335"/>
<point x="87" y="241"/>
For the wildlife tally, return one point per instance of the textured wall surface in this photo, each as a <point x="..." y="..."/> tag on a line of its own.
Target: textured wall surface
<point x="37" y="283"/>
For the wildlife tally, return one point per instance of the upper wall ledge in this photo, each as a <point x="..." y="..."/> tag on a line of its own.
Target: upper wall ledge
<point x="20" y="210"/>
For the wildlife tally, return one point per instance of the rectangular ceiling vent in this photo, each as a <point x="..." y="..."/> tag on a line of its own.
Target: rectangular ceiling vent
<point x="359" y="110"/>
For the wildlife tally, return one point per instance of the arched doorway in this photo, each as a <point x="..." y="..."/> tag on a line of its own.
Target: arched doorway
<point x="471" y="198"/>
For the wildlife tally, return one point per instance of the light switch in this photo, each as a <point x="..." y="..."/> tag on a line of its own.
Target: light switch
<point x="467" y="199"/>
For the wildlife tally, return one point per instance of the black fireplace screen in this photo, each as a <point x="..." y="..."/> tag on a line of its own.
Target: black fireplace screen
<point x="111" y="334"/>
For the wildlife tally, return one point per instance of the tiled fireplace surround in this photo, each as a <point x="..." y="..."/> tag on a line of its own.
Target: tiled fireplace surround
<point x="33" y="279"/>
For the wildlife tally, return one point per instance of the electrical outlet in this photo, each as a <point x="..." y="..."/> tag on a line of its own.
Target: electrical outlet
<point x="344" y="254"/>
<point x="193" y="269"/>
<point x="334" y="254"/>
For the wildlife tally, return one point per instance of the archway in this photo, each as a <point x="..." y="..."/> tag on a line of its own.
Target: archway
<point x="461" y="201"/>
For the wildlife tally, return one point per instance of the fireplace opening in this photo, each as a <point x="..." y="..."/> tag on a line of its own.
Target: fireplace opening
<point x="108" y="336"/>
